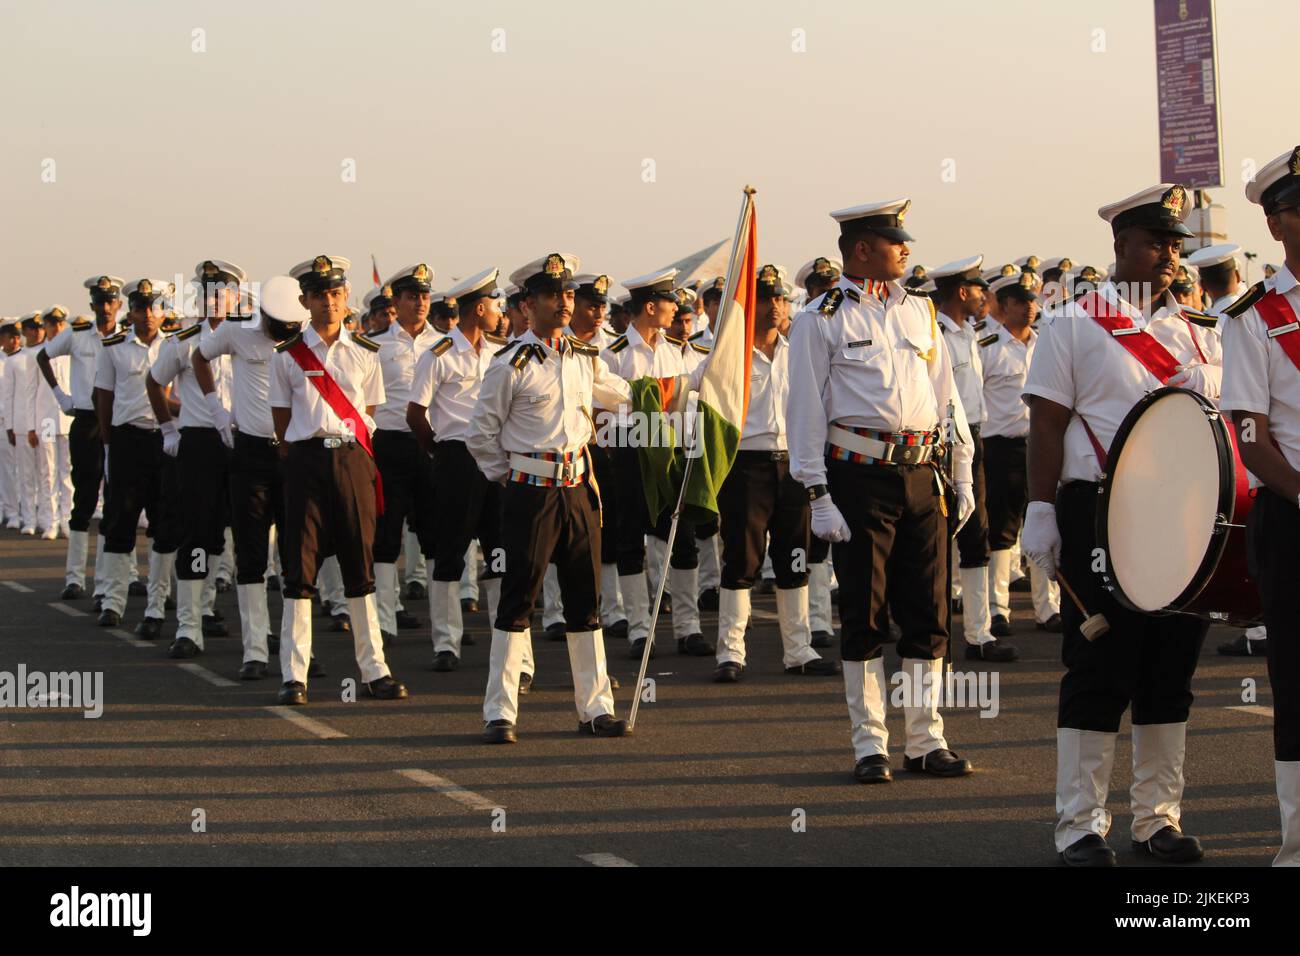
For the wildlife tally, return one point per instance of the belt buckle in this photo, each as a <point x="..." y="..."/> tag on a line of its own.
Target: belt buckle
<point x="911" y="454"/>
<point x="567" y="471"/>
<point x="333" y="442"/>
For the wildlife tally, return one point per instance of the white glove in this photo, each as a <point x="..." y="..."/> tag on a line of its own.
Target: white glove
<point x="171" y="439"/>
<point x="1206" y="379"/>
<point x="827" y="522"/>
<point x="64" y="400"/>
<point x="220" y="419"/>
<point x="1041" y="539"/>
<point x="965" y="503"/>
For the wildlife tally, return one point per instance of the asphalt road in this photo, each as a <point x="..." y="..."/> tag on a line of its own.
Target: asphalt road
<point x="188" y="766"/>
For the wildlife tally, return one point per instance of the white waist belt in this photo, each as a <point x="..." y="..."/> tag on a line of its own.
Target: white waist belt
<point x="557" y="470"/>
<point x="880" y="450"/>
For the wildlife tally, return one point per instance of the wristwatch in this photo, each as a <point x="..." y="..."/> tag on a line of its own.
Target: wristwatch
<point x="817" y="491"/>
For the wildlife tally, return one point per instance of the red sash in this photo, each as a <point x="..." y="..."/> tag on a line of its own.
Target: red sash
<point x="1277" y="313"/>
<point x="339" y="404"/>
<point x="1142" y="345"/>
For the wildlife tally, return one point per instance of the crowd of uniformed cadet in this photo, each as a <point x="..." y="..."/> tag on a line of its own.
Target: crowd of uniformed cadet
<point x="269" y="437"/>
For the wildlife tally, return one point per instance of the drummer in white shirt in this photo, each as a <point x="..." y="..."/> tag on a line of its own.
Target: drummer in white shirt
<point x="1082" y="383"/>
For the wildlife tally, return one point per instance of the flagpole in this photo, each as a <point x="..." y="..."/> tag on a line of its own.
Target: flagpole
<point x="728" y="294"/>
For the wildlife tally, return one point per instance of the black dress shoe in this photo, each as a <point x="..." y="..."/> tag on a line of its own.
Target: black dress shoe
<point x="1021" y="585"/>
<point x="415" y="591"/>
<point x="617" y="630"/>
<point x="406" y="621"/>
<point x="1171" y="846"/>
<point x="73" y="592"/>
<point x="728" y="672"/>
<point x="604" y="726"/>
<point x="1052" y="624"/>
<point x="386" y="688"/>
<point x="293" y="694"/>
<point x="340" y="624"/>
<point x="109" y="618"/>
<point x="326" y="608"/>
<point x="556" y="632"/>
<point x="216" y="615"/>
<point x="137" y="589"/>
<point x="222" y="585"/>
<point x="525" y="683"/>
<point x="710" y="598"/>
<point x="873" y="768"/>
<point x="183" y="648"/>
<point x="212" y="627"/>
<point x="315" y="668"/>
<point x="635" y="649"/>
<point x="273" y="643"/>
<point x="99" y="603"/>
<point x="1088" y="851"/>
<point x="1000" y="626"/>
<point x="1244" y="647"/>
<point x="822" y="639"/>
<point x="150" y="628"/>
<point x="273" y="583"/>
<point x="468" y="606"/>
<point x="467" y="639"/>
<point x="696" y="645"/>
<point x="499" y="732"/>
<point x="445" y="661"/>
<point x="940" y="763"/>
<point x="818" y="667"/>
<point x="387" y="637"/>
<point x="993" y="650"/>
<point x="252" y="670"/>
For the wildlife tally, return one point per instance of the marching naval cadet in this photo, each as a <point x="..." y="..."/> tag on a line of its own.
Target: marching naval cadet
<point x="1261" y="388"/>
<point x="138" y="476"/>
<point x="443" y="312"/>
<point x="871" y="388"/>
<point x="380" y="311"/>
<point x="257" y="455"/>
<point x="24" y="424"/>
<point x="406" y="470"/>
<point x="1186" y="287"/>
<point x="1220" y="276"/>
<point x="762" y="509"/>
<point x="325" y="385"/>
<point x="530" y="431"/>
<point x="460" y="504"/>
<point x="199" y="450"/>
<point x="10" y="344"/>
<point x="1085" y="378"/>
<point x="55" y="506"/>
<point x="960" y="296"/>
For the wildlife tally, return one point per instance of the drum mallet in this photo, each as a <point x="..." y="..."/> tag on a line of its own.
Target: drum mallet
<point x="1094" y="625"/>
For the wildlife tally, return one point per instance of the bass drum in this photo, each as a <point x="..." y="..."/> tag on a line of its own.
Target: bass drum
<point x="1171" y="519"/>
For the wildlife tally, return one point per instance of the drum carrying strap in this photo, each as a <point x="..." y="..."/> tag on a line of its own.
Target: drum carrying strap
<point x="1282" y="324"/>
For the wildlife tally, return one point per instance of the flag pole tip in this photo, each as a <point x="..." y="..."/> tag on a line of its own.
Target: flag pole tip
<point x="750" y="190"/>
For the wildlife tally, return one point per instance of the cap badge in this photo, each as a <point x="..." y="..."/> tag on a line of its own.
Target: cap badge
<point x="104" y="283"/>
<point x="601" y="285"/>
<point x="420" y="273"/>
<point x="210" y="269"/>
<point x="554" y="265"/>
<point x="1174" y="199"/>
<point x="907" y="204"/>
<point x="145" y="287"/>
<point x="321" y="264"/>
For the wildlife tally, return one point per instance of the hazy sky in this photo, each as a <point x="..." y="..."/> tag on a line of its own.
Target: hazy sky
<point x="466" y="157"/>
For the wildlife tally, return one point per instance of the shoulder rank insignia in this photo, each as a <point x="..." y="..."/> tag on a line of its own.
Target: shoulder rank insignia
<point x="494" y="339"/>
<point x="1202" y="319"/>
<point x="979" y="326"/>
<point x="988" y="340"/>
<point x="289" y="342"/>
<point x="1253" y="295"/>
<point x="442" y="345"/>
<point x="113" y="339"/>
<point x="675" y="341"/>
<point x="524" y="354"/>
<point x="581" y="347"/>
<point x="702" y="349"/>
<point x="364" y="342"/>
<point x="189" y="333"/>
<point x="696" y="336"/>
<point x="81" y="326"/>
<point x="916" y="290"/>
<point x="619" y="344"/>
<point x="830" y="302"/>
<point x="853" y="294"/>
<point x="509" y="346"/>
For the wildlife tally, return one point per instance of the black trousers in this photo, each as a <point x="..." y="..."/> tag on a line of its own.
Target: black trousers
<point x="759" y="499"/>
<point x="1143" y="660"/>
<point x="895" y="563"/>
<point x="465" y="506"/>
<point x="86" y="455"/>
<point x="329" y="509"/>
<point x="1273" y="539"/>
<point x="1006" y="489"/>
<point x="602" y="461"/>
<point x="408" y="483"/>
<point x="140" y="478"/>
<point x="256" y="501"/>
<point x="973" y="538"/>
<point x="635" y="522"/>
<point x="204" y="469"/>
<point x="541" y="526"/>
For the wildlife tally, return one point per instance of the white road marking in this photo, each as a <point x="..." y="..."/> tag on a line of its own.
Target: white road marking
<point x="449" y="789"/>
<point x="65" y="608"/>
<point x="15" y="586"/>
<point x="604" y="859"/>
<point x="131" y="638"/>
<point x="323" y="731"/>
<point x="202" y="673"/>
<point x="1259" y="710"/>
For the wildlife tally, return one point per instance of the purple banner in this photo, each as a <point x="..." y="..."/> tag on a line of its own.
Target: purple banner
<point x="1187" y="81"/>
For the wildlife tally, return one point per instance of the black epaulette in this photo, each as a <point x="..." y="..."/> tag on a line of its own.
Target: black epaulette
<point x="364" y="342"/>
<point x="1253" y="295"/>
<point x="442" y="345"/>
<point x="238" y="318"/>
<point x="524" y="354"/>
<point x="82" y="326"/>
<point x="618" y="345"/>
<point x="944" y="329"/>
<point x="189" y="333"/>
<point x="915" y="290"/>
<point x="509" y="346"/>
<point x="1203" y="319"/>
<point x="853" y="294"/>
<point x="830" y="302"/>
<point x="677" y="342"/>
<point x="988" y="340"/>
<point x="496" y="339"/>
<point x="581" y="347"/>
<point x="287" y="343"/>
<point x="979" y="326"/>
<point x="702" y="349"/>
<point x="695" y="336"/>
<point x="113" y="339"/>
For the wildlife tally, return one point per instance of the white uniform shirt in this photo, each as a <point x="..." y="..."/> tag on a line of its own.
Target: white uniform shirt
<point x="1006" y="365"/>
<point x="80" y="343"/>
<point x="123" y="363"/>
<point x="1258" y="376"/>
<point x="962" y="341"/>
<point x="543" y="406"/>
<point x="251" y="352"/>
<point x="353" y="366"/>
<point x="865" y="366"/>
<point x="1079" y="365"/>
<point x="447" y="384"/>
<point x="6" y="392"/>
<point x="47" y="406"/>
<point x="22" y="386"/>
<point x="398" y="354"/>
<point x="175" y="363"/>
<point x="1222" y="302"/>
<point x="630" y="357"/>
<point x="769" y="390"/>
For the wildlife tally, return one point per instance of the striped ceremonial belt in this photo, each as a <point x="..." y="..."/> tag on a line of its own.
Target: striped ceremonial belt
<point x="548" y="469"/>
<point x="862" y="446"/>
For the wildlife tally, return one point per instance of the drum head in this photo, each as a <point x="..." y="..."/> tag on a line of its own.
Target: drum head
<point x="1163" y="495"/>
